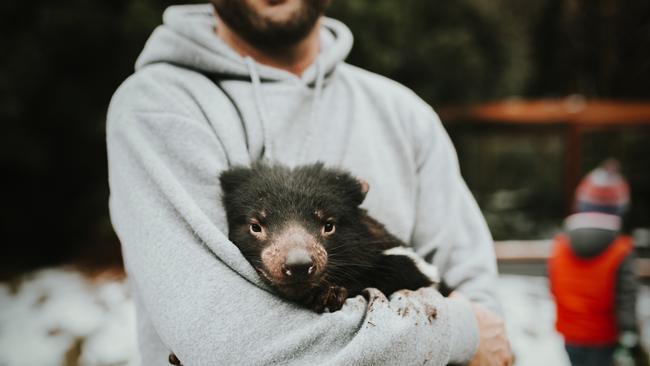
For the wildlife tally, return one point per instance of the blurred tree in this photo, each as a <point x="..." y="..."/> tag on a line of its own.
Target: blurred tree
<point x="597" y="48"/>
<point x="476" y="50"/>
<point x="61" y="63"/>
<point x="447" y="51"/>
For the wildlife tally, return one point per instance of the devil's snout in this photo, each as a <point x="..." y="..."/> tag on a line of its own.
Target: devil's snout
<point x="298" y="265"/>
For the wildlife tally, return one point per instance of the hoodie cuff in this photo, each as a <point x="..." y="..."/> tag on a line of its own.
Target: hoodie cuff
<point x="464" y="331"/>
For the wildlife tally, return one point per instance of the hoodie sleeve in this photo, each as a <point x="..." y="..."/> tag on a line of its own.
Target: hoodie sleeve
<point x="450" y="228"/>
<point x="198" y="294"/>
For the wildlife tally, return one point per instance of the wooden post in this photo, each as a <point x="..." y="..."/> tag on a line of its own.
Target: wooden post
<point x="572" y="163"/>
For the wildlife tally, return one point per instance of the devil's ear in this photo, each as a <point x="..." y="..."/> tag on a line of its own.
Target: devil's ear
<point x="358" y="189"/>
<point x="363" y="188"/>
<point x="232" y="178"/>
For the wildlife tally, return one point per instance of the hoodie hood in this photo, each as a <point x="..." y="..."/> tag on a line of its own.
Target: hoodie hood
<point x="590" y="233"/>
<point x="187" y="38"/>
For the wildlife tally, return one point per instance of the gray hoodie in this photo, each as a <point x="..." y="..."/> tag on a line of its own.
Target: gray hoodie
<point x="193" y="108"/>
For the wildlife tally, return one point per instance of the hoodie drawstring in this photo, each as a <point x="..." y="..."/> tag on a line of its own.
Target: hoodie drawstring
<point x="314" y="115"/>
<point x="260" y="106"/>
<point x="259" y="103"/>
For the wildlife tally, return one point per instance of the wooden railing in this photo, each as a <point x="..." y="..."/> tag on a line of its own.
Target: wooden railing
<point x="538" y="251"/>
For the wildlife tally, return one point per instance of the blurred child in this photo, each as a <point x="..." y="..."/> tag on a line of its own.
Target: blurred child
<point x="591" y="273"/>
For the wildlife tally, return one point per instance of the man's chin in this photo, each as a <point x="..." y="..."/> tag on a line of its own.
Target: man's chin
<point x="271" y="25"/>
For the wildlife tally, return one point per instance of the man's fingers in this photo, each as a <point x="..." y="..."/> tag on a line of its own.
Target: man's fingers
<point x="494" y="347"/>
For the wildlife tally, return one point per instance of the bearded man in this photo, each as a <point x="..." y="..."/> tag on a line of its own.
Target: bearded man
<point x="241" y="80"/>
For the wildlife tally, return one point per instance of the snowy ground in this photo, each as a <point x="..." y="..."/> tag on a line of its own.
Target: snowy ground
<point x="58" y="317"/>
<point x="530" y="315"/>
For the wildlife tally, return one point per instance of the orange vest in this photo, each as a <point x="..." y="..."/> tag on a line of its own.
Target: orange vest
<point x="584" y="291"/>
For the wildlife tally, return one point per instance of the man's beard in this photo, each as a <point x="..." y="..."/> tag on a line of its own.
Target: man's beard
<point x="265" y="33"/>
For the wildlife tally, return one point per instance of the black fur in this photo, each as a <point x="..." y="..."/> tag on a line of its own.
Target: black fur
<point x="355" y="258"/>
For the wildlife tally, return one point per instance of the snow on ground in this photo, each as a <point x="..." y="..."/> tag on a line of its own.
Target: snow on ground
<point x="59" y="317"/>
<point x="530" y="317"/>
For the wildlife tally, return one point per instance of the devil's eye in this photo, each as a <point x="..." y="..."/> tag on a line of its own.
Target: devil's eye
<point x="328" y="227"/>
<point x="256" y="228"/>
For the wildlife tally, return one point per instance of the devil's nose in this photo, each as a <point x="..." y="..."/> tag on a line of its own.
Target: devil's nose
<point x="298" y="264"/>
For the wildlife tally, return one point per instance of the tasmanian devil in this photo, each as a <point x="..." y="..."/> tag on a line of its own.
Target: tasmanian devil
<point x="303" y="231"/>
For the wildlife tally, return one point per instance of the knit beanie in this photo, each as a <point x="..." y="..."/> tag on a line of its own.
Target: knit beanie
<point x="603" y="190"/>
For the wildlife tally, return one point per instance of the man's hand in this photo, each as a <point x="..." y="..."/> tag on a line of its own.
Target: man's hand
<point x="493" y="347"/>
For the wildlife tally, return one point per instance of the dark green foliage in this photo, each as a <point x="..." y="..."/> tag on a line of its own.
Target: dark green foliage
<point x="447" y="51"/>
<point x="476" y="50"/>
<point x="516" y="175"/>
<point x="61" y="63"/>
<point x="598" y="48"/>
